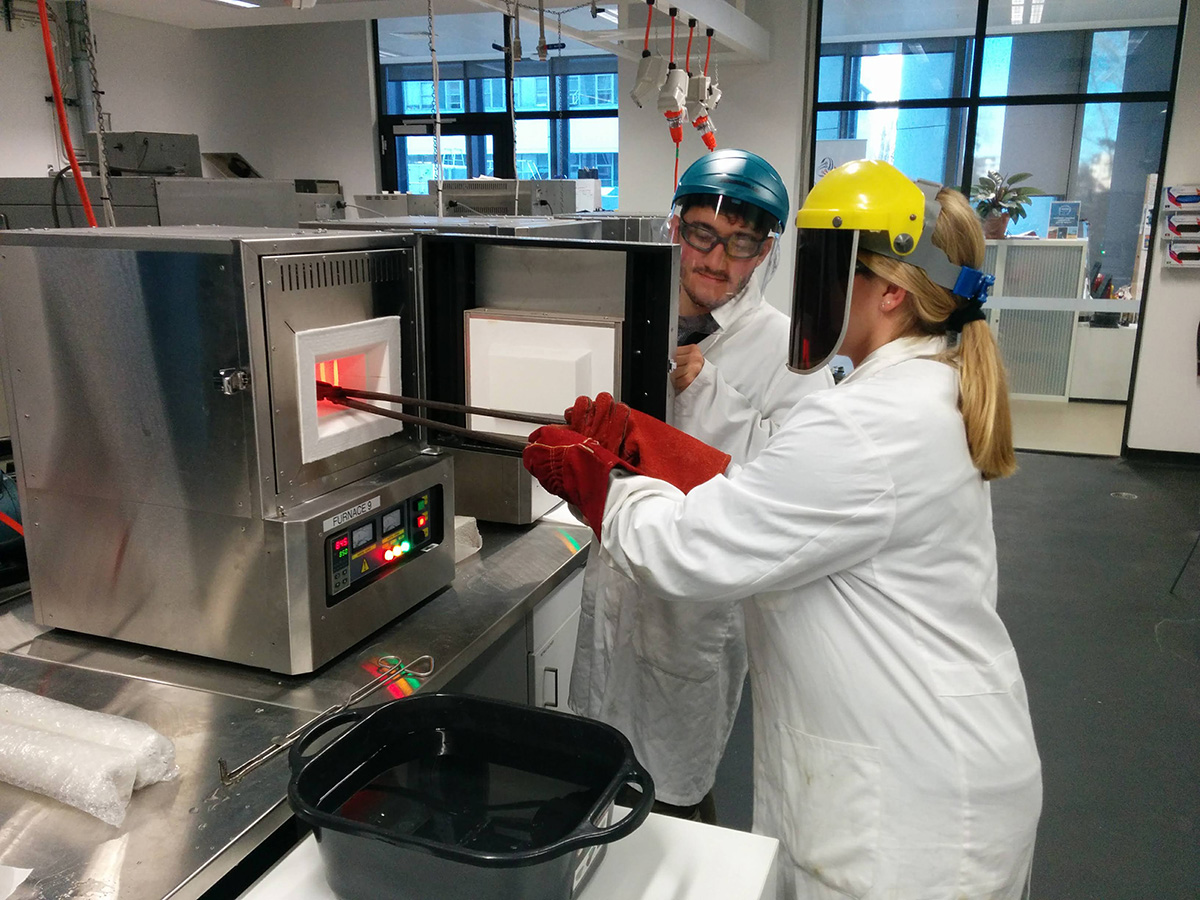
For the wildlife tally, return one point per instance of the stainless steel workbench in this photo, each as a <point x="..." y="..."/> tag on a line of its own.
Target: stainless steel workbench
<point x="180" y="838"/>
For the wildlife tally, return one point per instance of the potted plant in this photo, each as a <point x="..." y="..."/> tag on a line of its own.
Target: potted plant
<point x="997" y="200"/>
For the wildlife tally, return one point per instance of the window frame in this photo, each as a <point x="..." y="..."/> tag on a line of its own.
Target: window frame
<point x="960" y="164"/>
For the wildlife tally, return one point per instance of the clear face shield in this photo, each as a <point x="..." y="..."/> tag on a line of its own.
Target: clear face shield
<point x="723" y="258"/>
<point x="824" y="282"/>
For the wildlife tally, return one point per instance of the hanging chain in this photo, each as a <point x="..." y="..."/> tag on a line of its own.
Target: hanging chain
<point x="559" y="12"/>
<point x="89" y="46"/>
<point x="437" y="111"/>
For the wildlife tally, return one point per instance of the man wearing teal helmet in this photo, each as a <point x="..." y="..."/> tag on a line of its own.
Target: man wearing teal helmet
<point x="670" y="675"/>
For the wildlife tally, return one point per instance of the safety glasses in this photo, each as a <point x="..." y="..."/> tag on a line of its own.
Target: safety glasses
<point x="737" y="246"/>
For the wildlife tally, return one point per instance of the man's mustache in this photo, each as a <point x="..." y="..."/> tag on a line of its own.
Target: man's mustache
<point x="712" y="273"/>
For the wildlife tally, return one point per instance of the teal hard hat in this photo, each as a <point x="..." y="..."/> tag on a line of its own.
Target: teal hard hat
<point x="739" y="175"/>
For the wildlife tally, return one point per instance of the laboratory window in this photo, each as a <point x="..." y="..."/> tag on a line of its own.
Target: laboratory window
<point x="564" y="117"/>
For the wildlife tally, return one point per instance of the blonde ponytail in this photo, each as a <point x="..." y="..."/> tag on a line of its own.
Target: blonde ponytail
<point x="983" y="384"/>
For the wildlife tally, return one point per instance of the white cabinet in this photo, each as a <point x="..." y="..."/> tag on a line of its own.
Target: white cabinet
<point x="553" y="625"/>
<point x="551" y="675"/>
<point x="531" y="662"/>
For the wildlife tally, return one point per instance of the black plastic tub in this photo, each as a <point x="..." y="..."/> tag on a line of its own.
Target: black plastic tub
<point x="445" y="796"/>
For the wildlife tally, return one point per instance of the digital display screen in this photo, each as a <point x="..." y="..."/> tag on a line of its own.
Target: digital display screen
<point x="391" y="521"/>
<point x="342" y="543"/>
<point x="363" y="535"/>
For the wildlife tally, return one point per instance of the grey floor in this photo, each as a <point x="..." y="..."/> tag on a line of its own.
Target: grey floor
<point x="1100" y="589"/>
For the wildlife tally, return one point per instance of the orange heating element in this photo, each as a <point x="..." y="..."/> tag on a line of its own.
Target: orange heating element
<point x="345" y="371"/>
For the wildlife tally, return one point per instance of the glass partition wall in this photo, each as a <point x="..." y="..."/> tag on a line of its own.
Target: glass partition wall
<point x="1075" y="93"/>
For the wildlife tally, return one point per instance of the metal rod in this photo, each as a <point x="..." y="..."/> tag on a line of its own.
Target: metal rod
<point x="497" y="440"/>
<point x="392" y="673"/>
<point x="327" y="391"/>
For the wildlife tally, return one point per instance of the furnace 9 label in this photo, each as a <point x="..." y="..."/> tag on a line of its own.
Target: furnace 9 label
<point x="349" y="515"/>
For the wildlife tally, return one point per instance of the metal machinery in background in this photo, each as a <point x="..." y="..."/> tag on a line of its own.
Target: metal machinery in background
<point x="161" y="386"/>
<point x="509" y="226"/>
<point x="184" y="487"/>
<point x="495" y="197"/>
<point x="156" y="200"/>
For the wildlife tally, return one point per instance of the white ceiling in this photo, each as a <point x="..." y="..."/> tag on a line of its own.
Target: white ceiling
<point x="736" y="33"/>
<point x="463" y="37"/>
<point x="211" y="14"/>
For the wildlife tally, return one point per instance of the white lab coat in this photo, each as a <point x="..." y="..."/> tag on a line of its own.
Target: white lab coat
<point x="667" y="675"/>
<point x="894" y="755"/>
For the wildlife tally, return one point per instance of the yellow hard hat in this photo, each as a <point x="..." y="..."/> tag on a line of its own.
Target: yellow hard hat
<point x="867" y="195"/>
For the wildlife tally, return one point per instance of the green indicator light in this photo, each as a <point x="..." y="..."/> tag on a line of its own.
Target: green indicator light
<point x="405" y="546"/>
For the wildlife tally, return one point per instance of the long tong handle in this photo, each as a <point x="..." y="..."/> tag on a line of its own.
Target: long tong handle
<point x="499" y="441"/>
<point x="388" y="675"/>
<point x="327" y="391"/>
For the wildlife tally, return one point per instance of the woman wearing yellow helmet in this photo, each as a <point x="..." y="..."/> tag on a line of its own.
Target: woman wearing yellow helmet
<point x="866" y="218"/>
<point x="894" y="753"/>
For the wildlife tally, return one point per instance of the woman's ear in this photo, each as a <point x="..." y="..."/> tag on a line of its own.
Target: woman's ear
<point x="893" y="296"/>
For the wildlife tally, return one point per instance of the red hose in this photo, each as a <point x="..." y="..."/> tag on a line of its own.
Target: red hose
<point x="672" y="36"/>
<point x="708" y="52"/>
<point x="649" y="16"/>
<point x="687" y="58"/>
<point x="62" y="123"/>
<point x="12" y="523"/>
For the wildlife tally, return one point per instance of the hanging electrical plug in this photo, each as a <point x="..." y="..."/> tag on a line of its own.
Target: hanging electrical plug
<point x="651" y="73"/>
<point x="652" y="70"/>
<point x="672" y="98"/>
<point x="672" y="102"/>
<point x="708" y="131"/>
<point x="703" y="96"/>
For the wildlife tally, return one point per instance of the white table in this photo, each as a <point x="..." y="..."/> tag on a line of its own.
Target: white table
<point x="665" y="859"/>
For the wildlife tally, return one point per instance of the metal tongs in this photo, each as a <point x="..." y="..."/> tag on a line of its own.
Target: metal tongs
<point x="352" y="397"/>
<point x="387" y="676"/>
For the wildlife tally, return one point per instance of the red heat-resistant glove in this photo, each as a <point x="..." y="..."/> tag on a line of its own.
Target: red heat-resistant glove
<point x="654" y="447"/>
<point x="603" y="419"/>
<point x="573" y="467"/>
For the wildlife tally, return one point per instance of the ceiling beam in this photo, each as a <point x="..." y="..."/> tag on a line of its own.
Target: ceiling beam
<point x="598" y="38"/>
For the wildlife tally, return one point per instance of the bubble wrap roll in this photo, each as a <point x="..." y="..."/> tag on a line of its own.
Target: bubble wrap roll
<point x="154" y="754"/>
<point x="90" y="777"/>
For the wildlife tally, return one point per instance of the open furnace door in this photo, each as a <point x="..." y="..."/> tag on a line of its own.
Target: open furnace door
<point x="529" y="324"/>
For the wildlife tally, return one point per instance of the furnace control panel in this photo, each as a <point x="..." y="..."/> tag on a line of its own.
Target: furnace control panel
<point x="369" y="547"/>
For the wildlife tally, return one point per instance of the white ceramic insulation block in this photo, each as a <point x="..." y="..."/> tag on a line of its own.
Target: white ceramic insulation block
<point x="368" y="354"/>
<point x="534" y="366"/>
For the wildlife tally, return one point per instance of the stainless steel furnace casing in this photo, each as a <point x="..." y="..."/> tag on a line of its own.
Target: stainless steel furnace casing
<point x="151" y="378"/>
<point x="178" y="489"/>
